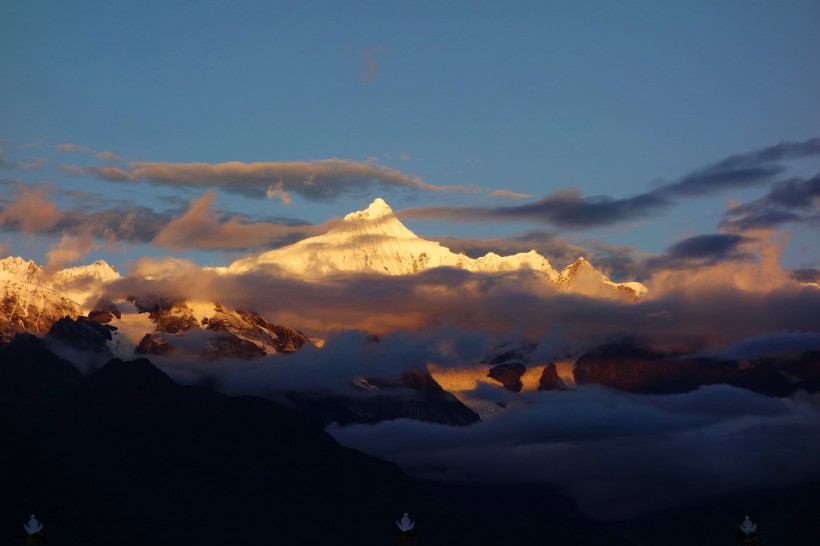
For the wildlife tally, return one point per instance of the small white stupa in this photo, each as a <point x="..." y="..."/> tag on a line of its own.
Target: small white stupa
<point x="33" y="527"/>
<point x="747" y="526"/>
<point x="405" y="525"/>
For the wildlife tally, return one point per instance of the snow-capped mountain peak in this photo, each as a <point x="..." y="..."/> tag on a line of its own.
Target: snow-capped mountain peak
<point x="374" y="240"/>
<point x="377" y="209"/>
<point x="18" y="269"/>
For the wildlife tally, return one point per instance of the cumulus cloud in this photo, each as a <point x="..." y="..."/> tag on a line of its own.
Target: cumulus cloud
<point x="320" y="180"/>
<point x="69" y="249"/>
<point x="570" y="209"/>
<point x="200" y="228"/>
<point x="31" y="212"/>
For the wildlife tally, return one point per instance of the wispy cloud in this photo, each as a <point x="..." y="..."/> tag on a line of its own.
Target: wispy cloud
<point x="372" y="63"/>
<point x="568" y="208"/>
<point x="70" y="147"/>
<point x="320" y="180"/>
<point x="788" y="201"/>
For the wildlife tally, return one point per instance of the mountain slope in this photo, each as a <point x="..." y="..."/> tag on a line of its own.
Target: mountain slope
<point x="31" y="300"/>
<point x="374" y="240"/>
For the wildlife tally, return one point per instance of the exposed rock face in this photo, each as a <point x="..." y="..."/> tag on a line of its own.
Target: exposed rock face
<point x="253" y="328"/>
<point x="507" y="353"/>
<point x="173" y="319"/>
<point x="31" y="300"/>
<point x="626" y="367"/>
<point x="153" y="344"/>
<point x="104" y="311"/>
<point x="581" y="277"/>
<point x="230" y="334"/>
<point x="31" y="308"/>
<point x="549" y="380"/>
<point x="82" y="334"/>
<point x="509" y="374"/>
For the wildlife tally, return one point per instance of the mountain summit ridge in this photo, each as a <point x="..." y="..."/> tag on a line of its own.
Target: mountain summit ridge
<point x="374" y="240"/>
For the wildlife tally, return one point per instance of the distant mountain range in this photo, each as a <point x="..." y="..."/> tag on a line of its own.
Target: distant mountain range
<point x="66" y="308"/>
<point x="371" y="241"/>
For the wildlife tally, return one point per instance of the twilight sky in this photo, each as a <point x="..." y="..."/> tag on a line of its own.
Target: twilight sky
<point x="636" y="134"/>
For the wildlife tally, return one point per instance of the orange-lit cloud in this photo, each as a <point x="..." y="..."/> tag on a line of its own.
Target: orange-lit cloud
<point x="31" y="212"/>
<point x="508" y="193"/>
<point x="200" y="228"/>
<point x="69" y="249"/>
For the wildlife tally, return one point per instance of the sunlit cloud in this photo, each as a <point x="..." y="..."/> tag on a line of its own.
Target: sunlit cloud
<point x="31" y="212"/>
<point x="201" y="228"/>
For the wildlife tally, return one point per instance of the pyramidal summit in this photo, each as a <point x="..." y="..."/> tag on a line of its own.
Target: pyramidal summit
<point x="374" y="240"/>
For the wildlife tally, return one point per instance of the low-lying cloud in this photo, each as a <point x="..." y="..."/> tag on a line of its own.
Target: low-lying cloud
<point x="620" y="455"/>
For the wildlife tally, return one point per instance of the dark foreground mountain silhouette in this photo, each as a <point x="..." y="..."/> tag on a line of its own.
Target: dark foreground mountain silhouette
<point x="126" y="456"/>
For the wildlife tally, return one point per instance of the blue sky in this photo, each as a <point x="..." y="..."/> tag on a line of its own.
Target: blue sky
<point x="532" y="98"/>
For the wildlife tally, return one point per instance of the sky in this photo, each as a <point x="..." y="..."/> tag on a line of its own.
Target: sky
<point x="623" y="132"/>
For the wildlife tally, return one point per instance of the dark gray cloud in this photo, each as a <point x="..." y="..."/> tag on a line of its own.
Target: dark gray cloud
<point x="320" y="180"/>
<point x="569" y="209"/>
<point x="701" y="250"/>
<point x="788" y="201"/>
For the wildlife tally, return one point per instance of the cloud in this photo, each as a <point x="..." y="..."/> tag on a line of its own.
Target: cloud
<point x="69" y="249"/>
<point x="70" y="147"/>
<point x="565" y="208"/>
<point x="320" y="180"/>
<point x="702" y="250"/>
<point x="788" y="201"/>
<point x="107" y="156"/>
<point x="508" y="193"/>
<point x="277" y="192"/>
<point x="372" y="65"/>
<point x="569" y="209"/>
<point x="33" y="163"/>
<point x="31" y="212"/>
<point x="619" y="455"/>
<point x="200" y="228"/>
<point x="686" y="309"/>
<point x="767" y="345"/>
